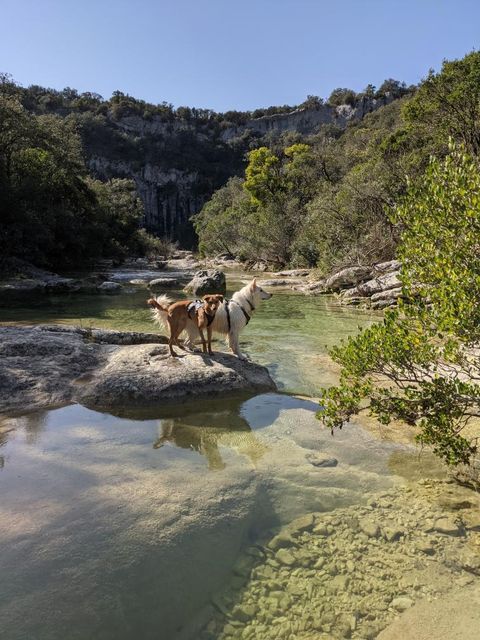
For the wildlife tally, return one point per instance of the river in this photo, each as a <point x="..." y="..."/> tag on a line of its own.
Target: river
<point x="119" y="527"/>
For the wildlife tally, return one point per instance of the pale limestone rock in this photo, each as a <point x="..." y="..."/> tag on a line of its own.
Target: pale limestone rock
<point x="401" y="603"/>
<point x="42" y="367"/>
<point x="369" y="527"/>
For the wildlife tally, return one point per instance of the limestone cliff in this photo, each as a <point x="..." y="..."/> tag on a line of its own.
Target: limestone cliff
<point x="178" y="163"/>
<point x="307" y="121"/>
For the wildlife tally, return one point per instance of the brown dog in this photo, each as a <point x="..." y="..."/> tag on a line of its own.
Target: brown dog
<point x="180" y="312"/>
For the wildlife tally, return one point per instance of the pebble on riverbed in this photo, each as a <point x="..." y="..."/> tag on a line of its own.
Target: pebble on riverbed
<point x="350" y="572"/>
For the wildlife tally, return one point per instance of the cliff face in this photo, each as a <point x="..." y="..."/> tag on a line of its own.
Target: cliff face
<point x="170" y="197"/>
<point x="178" y="164"/>
<point x="308" y="120"/>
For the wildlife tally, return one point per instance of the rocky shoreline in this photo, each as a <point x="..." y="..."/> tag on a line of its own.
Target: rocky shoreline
<point x="53" y="365"/>
<point x="377" y="286"/>
<point x="24" y="278"/>
<point x="351" y="572"/>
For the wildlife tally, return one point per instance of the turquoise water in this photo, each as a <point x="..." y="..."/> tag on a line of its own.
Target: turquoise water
<point x="122" y="528"/>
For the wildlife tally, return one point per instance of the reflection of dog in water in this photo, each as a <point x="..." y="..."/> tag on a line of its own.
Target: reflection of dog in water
<point x="206" y="440"/>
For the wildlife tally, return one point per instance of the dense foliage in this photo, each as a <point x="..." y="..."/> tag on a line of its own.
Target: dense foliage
<point x="126" y="137"/>
<point x="352" y="180"/>
<point x="421" y="364"/>
<point x="325" y="205"/>
<point x="52" y="214"/>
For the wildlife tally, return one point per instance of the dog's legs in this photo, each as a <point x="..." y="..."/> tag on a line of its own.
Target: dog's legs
<point x="209" y="340"/>
<point x="204" y="344"/>
<point x="173" y="338"/>
<point x="233" y="344"/>
<point x="193" y="335"/>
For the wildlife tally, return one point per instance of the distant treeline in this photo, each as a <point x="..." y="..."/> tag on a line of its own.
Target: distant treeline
<point x="44" y="100"/>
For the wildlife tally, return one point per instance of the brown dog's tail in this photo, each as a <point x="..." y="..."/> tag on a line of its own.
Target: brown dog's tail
<point x="159" y="306"/>
<point x="154" y="303"/>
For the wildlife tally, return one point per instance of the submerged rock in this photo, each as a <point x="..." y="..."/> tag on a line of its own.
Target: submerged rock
<point x="344" y="583"/>
<point x="447" y="526"/>
<point x="159" y="284"/>
<point x="53" y="365"/>
<point x="110" y="287"/>
<point x="316" y="461"/>
<point x="401" y="603"/>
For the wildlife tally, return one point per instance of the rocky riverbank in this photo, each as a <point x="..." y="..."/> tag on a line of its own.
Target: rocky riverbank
<point x="377" y="286"/>
<point x="53" y="365"/>
<point x="21" y="278"/>
<point x="351" y="572"/>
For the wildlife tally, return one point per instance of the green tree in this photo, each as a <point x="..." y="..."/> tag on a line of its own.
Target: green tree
<point x="419" y="365"/>
<point x="448" y="104"/>
<point x="341" y="96"/>
<point x="223" y="223"/>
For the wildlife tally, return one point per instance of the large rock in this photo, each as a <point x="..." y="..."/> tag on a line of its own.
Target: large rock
<point x="388" y="294"/>
<point x="207" y="281"/>
<point x="54" y="365"/>
<point x="347" y="278"/>
<point x="48" y="283"/>
<point x="387" y="267"/>
<point x="143" y="375"/>
<point x="382" y="283"/>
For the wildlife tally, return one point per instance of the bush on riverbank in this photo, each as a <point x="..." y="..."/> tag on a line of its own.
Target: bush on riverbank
<point x="420" y="364"/>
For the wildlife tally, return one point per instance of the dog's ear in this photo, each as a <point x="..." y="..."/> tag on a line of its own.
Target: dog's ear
<point x="253" y="284"/>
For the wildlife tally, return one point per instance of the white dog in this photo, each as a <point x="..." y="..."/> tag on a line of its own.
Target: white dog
<point x="231" y="316"/>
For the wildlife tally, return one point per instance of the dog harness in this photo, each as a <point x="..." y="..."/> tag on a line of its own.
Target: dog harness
<point x="247" y="317"/>
<point x="193" y="308"/>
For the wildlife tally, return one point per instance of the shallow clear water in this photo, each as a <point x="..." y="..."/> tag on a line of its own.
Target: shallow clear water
<point x="123" y="527"/>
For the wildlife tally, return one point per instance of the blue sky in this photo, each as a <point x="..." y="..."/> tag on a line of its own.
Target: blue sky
<point x="226" y="54"/>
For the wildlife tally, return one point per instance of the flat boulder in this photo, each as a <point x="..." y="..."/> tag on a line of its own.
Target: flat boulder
<point x="146" y="375"/>
<point x="53" y="365"/>
<point x="382" y="283"/>
<point x="386" y="267"/>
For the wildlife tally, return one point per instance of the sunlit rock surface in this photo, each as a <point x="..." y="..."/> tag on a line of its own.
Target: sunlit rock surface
<point x="52" y="365"/>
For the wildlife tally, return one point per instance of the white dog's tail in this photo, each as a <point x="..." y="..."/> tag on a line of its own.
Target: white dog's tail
<point x="159" y="311"/>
